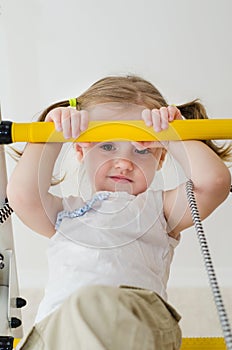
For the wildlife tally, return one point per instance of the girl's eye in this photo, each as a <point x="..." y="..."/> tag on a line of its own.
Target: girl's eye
<point x="142" y="151"/>
<point x="108" y="147"/>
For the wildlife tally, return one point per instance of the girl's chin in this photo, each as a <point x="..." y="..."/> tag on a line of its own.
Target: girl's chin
<point x="121" y="187"/>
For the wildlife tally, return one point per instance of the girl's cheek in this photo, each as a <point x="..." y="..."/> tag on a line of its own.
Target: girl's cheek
<point x="144" y="159"/>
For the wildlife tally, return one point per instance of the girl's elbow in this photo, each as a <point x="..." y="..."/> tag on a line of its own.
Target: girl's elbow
<point x="222" y="185"/>
<point x="10" y="193"/>
<point x="18" y="198"/>
<point x="14" y="196"/>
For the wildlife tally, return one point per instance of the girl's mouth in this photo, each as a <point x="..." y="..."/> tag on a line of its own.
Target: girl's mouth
<point x="121" y="179"/>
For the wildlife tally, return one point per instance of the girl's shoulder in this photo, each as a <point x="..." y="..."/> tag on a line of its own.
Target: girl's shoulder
<point x="72" y="202"/>
<point x="156" y="195"/>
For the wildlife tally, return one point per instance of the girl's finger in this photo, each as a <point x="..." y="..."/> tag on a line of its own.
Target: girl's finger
<point x="75" y="123"/>
<point x="174" y="113"/>
<point x="164" y="117"/>
<point x="148" y="144"/>
<point x="55" y="117"/>
<point x="84" y="122"/>
<point x="156" y="119"/>
<point x="171" y="113"/>
<point x="138" y="145"/>
<point x="66" y="123"/>
<point x="146" y="116"/>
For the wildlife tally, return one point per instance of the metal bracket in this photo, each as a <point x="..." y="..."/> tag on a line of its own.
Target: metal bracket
<point x="10" y="303"/>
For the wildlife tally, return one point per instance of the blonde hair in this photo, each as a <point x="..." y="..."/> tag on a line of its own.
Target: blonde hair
<point x="136" y="90"/>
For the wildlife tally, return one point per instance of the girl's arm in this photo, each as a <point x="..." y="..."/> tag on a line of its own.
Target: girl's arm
<point x="211" y="179"/>
<point x="210" y="176"/>
<point x="28" y="187"/>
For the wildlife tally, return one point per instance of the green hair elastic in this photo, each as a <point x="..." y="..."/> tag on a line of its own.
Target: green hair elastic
<point x="73" y="102"/>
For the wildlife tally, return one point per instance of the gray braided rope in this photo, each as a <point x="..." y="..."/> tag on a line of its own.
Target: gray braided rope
<point x="5" y="212"/>
<point x="224" y="321"/>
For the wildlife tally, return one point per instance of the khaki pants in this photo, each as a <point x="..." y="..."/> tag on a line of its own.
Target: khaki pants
<point x="108" y="318"/>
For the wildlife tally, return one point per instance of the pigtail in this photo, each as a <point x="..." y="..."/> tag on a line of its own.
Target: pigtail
<point x="195" y="110"/>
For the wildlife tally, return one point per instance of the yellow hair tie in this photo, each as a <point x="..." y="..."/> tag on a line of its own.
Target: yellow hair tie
<point x="72" y="102"/>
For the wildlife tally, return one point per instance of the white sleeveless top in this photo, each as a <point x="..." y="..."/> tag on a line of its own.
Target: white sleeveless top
<point x="122" y="240"/>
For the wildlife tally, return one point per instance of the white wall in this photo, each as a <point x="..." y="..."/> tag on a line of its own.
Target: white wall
<point x="52" y="50"/>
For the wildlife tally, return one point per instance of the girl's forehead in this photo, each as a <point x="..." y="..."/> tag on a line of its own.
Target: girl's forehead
<point x="115" y="111"/>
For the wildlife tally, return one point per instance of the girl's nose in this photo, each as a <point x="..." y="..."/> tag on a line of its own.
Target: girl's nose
<point x="123" y="164"/>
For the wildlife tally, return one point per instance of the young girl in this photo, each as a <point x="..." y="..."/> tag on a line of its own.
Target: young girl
<point x="109" y="257"/>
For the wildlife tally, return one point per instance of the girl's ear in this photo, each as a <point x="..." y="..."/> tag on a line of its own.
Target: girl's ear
<point x="79" y="151"/>
<point x="162" y="158"/>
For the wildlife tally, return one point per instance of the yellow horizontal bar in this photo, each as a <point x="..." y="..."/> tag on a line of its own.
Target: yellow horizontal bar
<point x="191" y="344"/>
<point x="130" y="130"/>
<point x="203" y="344"/>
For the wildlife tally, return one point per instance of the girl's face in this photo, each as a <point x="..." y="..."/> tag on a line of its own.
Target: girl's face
<point x="115" y="165"/>
<point x="119" y="166"/>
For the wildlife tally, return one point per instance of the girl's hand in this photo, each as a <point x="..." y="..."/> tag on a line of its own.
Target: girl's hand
<point x="69" y="121"/>
<point x="159" y="119"/>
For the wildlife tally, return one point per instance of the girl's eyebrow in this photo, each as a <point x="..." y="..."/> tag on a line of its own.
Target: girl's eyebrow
<point x="103" y="142"/>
